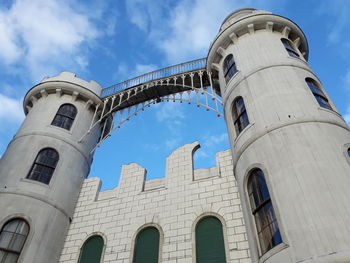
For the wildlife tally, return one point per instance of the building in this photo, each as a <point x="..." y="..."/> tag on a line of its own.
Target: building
<point x="279" y="195"/>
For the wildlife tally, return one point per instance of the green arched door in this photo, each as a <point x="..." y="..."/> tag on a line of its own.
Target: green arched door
<point x="210" y="245"/>
<point x="91" y="251"/>
<point x="147" y="246"/>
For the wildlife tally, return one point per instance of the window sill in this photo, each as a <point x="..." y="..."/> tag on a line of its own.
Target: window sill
<point x="301" y="59"/>
<point x="272" y="252"/>
<point x="26" y="180"/>
<point x="233" y="77"/>
<point x="243" y="131"/>
<point x="331" y="111"/>
<point x="61" y="129"/>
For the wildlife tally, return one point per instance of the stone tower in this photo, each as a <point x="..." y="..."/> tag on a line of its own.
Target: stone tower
<point x="288" y="141"/>
<point x="43" y="168"/>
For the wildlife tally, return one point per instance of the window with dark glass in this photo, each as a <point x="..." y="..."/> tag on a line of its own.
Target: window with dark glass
<point x="210" y="245"/>
<point x="319" y="95"/>
<point x="65" y="116"/>
<point x="12" y="238"/>
<point x="262" y="209"/>
<point x="229" y="67"/>
<point x="240" y="115"/>
<point x="349" y="152"/>
<point x="147" y="246"/>
<point x="289" y="46"/>
<point x="91" y="252"/>
<point x="44" y="166"/>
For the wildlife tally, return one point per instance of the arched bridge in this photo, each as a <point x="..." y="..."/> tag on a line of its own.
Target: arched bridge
<point x="186" y="82"/>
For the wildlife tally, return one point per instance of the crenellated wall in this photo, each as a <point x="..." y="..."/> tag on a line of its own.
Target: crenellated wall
<point x="173" y="203"/>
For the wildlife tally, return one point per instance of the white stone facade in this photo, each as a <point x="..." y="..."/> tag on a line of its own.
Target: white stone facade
<point x="173" y="204"/>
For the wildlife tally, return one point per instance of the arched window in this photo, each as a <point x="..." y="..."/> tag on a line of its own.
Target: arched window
<point x="44" y="166"/>
<point x="12" y="238"/>
<point x="210" y="245"/>
<point x="319" y="96"/>
<point x="289" y="46"/>
<point x="262" y="209"/>
<point x="240" y="116"/>
<point x="65" y="116"/>
<point x="147" y="246"/>
<point x="91" y="251"/>
<point x="229" y="67"/>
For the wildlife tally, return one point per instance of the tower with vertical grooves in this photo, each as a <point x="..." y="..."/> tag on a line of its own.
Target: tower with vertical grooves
<point x="48" y="206"/>
<point x="291" y="131"/>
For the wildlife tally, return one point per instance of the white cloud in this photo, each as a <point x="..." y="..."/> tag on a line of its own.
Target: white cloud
<point x="170" y="144"/>
<point x="142" y="69"/>
<point x="149" y="16"/>
<point x="46" y="35"/>
<point x="184" y="31"/>
<point x="170" y="111"/>
<point x="125" y="72"/>
<point x="10" y="110"/>
<point x="339" y="24"/>
<point x="192" y="28"/>
<point x="201" y="154"/>
<point x="138" y="15"/>
<point x="205" y="157"/>
<point x="212" y="140"/>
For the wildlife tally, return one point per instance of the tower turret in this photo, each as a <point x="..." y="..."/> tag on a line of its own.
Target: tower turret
<point x="287" y="139"/>
<point x="42" y="170"/>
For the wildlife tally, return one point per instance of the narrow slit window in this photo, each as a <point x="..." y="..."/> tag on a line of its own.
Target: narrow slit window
<point x="318" y="94"/>
<point x="289" y="46"/>
<point x="13" y="235"/>
<point x="264" y="214"/>
<point x="230" y="68"/>
<point x="44" y="166"/>
<point x="240" y="115"/>
<point x="65" y="116"/>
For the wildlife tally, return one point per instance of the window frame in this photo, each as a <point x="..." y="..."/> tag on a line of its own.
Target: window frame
<point x="38" y="163"/>
<point x="55" y="122"/>
<point x="256" y="209"/>
<point x="318" y="93"/>
<point x="290" y="48"/>
<point x="10" y="251"/>
<point x="238" y="124"/>
<point x="229" y="67"/>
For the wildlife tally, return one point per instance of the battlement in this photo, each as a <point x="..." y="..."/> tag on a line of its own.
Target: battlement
<point x="71" y="77"/>
<point x="66" y="83"/>
<point x="179" y="171"/>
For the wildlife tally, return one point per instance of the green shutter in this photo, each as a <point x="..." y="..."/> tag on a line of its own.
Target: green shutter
<point x="147" y="246"/>
<point x="210" y="246"/>
<point x="92" y="250"/>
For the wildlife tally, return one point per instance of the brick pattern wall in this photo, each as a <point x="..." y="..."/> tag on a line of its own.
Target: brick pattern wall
<point x="174" y="204"/>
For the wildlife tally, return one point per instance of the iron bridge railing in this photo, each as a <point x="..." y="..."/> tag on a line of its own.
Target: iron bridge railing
<point x="157" y="74"/>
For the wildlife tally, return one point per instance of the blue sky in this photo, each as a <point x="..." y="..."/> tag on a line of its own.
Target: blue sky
<point x="111" y="41"/>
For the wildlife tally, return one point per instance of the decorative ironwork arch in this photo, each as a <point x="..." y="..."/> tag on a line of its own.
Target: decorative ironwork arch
<point x="187" y="82"/>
